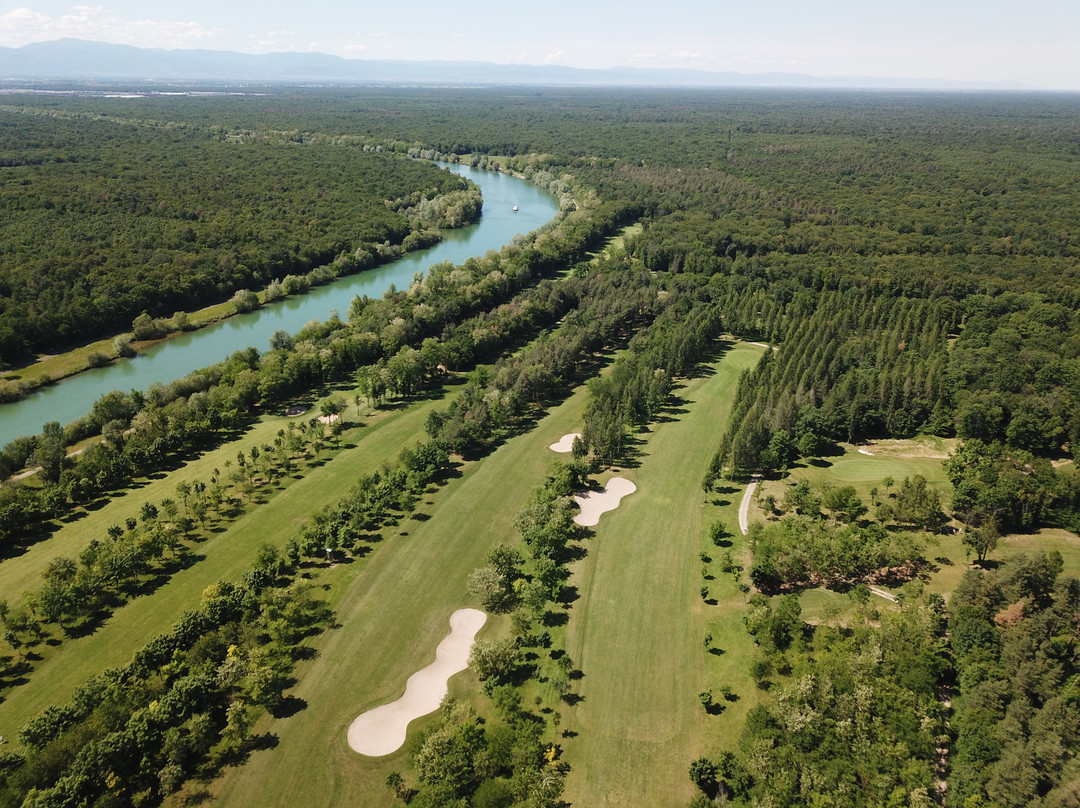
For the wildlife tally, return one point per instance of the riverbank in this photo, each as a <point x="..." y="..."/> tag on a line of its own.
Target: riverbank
<point x="51" y="368"/>
<point x="223" y="333"/>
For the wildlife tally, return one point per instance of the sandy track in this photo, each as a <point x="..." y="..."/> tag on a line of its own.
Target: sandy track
<point x="381" y="730"/>
<point x="744" y="506"/>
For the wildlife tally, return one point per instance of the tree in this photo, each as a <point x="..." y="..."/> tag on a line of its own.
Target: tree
<point x="982" y="540"/>
<point x="281" y="340"/>
<point x="703" y="773"/>
<point x="50" y="451"/>
<point x="245" y="300"/>
<point x="122" y="345"/>
<point x="801" y="499"/>
<point x="843" y="502"/>
<point x="493" y="584"/>
<point x="915" y="504"/>
<point x="496" y="663"/>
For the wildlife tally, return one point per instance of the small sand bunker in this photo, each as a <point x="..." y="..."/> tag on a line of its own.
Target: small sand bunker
<point x="326" y="420"/>
<point x="595" y="503"/>
<point x="381" y="730"/>
<point x="295" y="410"/>
<point x="565" y="444"/>
<point x="865" y="451"/>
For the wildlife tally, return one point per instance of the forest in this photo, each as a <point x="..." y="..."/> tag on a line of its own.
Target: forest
<point x="906" y="264"/>
<point x="106" y="219"/>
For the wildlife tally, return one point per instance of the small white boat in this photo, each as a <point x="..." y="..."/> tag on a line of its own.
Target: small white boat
<point x="515" y="208"/>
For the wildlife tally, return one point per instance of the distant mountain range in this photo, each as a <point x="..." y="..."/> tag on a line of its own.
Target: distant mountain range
<point x="80" y="60"/>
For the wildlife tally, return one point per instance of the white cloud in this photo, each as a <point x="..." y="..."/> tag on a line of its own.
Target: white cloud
<point x="23" y="26"/>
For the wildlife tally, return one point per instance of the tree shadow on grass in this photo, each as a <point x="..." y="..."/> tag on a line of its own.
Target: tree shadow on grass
<point x="552" y="619"/>
<point x="288" y="707"/>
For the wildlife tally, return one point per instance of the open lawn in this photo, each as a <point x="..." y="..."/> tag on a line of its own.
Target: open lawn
<point x="950" y="559"/>
<point x="637" y="631"/>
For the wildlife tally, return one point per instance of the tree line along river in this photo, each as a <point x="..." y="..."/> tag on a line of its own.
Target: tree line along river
<point x="511" y="207"/>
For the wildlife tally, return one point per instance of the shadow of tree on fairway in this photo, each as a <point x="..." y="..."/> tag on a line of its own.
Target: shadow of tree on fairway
<point x="289" y="707"/>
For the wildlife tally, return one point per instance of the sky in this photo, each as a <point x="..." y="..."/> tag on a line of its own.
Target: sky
<point x="1035" y="43"/>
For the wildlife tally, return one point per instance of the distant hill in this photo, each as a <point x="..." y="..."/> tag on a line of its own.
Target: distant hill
<point x="80" y="60"/>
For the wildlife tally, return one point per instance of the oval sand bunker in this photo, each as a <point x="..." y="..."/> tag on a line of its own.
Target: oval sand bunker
<point x="381" y="730"/>
<point x="594" y="503"/>
<point x="565" y="444"/>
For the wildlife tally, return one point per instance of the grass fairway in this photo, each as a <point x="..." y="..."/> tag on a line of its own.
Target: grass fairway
<point x="392" y="609"/>
<point x="226" y="554"/>
<point x="637" y="630"/>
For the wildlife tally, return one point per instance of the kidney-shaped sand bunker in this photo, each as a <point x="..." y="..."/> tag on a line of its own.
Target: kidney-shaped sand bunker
<point x="381" y="730"/>
<point x="594" y="503"/>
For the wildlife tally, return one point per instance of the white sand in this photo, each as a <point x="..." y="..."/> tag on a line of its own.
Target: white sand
<point x="326" y="420"/>
<point x="594" y="503"/>
<point x="744" y="506"/>
<point x="565" y="444"/>
<point x="381" y="730"/>
<point x="865" y="451"/>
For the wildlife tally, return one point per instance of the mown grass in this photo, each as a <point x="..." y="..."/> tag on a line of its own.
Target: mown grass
<point x="637" y="631"/>
<point x="951" y="559"/>
<point x="229" y="550"/>
<point x="392" y="609"/>
<point x="946" y="554"/>
<point x="861" y="471"/>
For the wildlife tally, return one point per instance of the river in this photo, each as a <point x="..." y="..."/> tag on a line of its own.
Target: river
<point x="172" y="359"/>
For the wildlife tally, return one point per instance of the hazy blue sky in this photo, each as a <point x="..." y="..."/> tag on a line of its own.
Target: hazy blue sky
<point x="1035" y="42"/>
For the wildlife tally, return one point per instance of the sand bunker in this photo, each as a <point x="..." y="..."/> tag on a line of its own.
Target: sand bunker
<point x="381" y="730"/>
<point x="594" y="503"/>
<point x="565" y="444"/>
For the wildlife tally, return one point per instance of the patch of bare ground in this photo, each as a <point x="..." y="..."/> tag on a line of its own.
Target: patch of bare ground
<point x="922" y="446"/>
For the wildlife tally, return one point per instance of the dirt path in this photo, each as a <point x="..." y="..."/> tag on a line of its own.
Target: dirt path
<point x="744" y="506"/>
<point x="883" y="593"/>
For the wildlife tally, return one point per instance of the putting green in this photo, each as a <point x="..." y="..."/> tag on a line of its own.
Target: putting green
<point x="863" y="469"/>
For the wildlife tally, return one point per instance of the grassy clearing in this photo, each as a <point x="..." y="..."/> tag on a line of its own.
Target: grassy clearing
<point x="51" y="368"/>
<point x="637" y="631"/>
<point x="617" y="245"/>
<point x="393" y="608"/>
<point x="948" y="557"/>
<point x="859" y="470"/>
<point x="951" y="559"/>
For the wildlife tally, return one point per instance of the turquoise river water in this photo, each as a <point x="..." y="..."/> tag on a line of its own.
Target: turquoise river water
<point x="73" y="397"/>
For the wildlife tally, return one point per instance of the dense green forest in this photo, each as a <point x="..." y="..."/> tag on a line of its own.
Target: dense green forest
<point x="912" y="258"/>
<point x="106" y="218"/>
